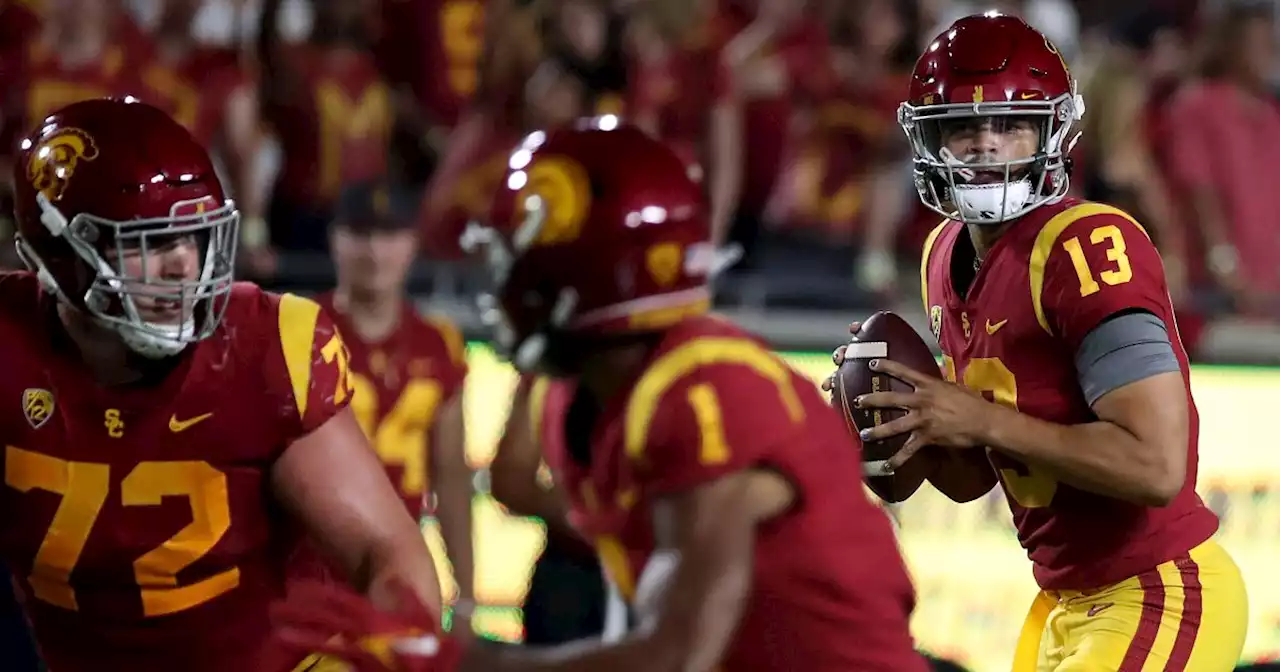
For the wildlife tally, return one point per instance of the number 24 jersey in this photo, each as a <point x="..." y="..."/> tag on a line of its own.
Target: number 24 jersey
<point x="1057" y="273"/>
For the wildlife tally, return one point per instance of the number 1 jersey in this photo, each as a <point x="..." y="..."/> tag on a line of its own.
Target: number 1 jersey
<point x="1057" y="273"/>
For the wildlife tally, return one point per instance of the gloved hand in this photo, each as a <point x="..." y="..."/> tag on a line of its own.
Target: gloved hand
<point x="333" y="620"/>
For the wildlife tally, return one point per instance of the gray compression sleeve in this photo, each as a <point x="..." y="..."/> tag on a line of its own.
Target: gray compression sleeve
<point x="1123" y="350"/>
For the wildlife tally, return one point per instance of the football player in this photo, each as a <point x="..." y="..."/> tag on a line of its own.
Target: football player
<point x="163" y="420"/>
<point x="566" y="600"/>
<point x="722" y="494"/>
<point x="407" y="370"/>
<point x="1069" y="385"/>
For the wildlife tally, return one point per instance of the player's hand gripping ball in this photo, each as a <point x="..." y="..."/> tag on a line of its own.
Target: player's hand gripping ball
<point x="333" y="621"/>
<point x="882" y="336"/>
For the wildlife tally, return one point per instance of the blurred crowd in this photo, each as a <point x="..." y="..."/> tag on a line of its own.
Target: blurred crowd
<point x="788" y="109"/>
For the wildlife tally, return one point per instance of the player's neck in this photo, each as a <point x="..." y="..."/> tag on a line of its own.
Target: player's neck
<point x="374" y="316"/>
<point x="107" y="357"/>
<point x="984" y="237"/>
<point x="607" y="372"/>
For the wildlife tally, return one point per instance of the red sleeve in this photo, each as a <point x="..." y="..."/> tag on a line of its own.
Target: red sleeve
<point x="808" y="58"/>
<point x="307" y="368"/>
<point x="1099" y="263"/>
<point x="717" y="419"/>
<point x="1190" y="156"/>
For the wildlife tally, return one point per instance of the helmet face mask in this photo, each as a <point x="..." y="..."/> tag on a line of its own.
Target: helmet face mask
<point x="154" y="262"/>
<point x="991" y="119"/>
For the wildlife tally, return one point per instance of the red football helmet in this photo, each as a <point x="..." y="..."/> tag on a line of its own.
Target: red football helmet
<point x="104" y="179"/>
<point x="598" y="232"/>
<point x="990" y="116"/>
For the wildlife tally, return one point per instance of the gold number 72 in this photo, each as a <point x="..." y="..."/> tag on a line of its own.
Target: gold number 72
<point x="1119" y="275"/>
<point x="84" y="488"/>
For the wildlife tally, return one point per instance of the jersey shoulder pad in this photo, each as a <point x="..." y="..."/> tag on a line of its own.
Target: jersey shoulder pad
<point x="442" y="338"/>
<point x="710" y="406"/>
<point x="308" y="364"/>
<point x="1089" y="262"/>
<point x="926" y="255"/>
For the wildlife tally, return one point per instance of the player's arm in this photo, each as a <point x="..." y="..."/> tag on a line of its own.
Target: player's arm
<point x="1103" y="289"/>
<point x="452" y="484"/>
<point x="328" y="476"/>
<point x="726" y="152"/>
<point x="517" y="464"/>
<point x="707" y="522"/>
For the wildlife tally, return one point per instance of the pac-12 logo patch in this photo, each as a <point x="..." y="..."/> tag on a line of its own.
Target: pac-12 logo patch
<point x="37" y="406"/>
<point x="935" y="321"/>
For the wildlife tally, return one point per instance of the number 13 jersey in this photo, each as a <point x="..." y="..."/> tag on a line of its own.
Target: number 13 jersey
<point x="1055" y="275"/>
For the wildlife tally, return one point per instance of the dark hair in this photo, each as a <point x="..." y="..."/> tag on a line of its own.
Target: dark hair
<point x="1223" y="39"/>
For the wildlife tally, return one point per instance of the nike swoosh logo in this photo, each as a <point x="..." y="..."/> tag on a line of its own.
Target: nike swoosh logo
<point x="176" y="425"/>
<point x="993" y="328"/>
<point x="1028" y="95"/>
<point x="1099" y="608"/>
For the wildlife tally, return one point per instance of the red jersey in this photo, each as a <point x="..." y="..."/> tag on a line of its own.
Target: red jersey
<point x="823" y="186"/>
<point x="1056" y="274"/>
<point x="138" y="521"/>
<point x="805" y="52"/>
<point x="401" y="384"/>
<point x="434" y="48"/>
<point x="678" y="92"/>
<point x="195" y="91"/>
<point x="841" y="604"/>
<point x="463" y="186"/>
<point x="36" y="83"/>
<point x="336" y="129"/>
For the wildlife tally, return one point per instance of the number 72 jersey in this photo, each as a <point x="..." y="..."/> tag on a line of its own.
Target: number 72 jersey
<point x="1053" y="277"/>
<point x="139" y="522"/>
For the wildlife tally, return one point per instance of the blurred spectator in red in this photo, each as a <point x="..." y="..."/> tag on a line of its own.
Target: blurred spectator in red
<point x="1224" y="137"/>
<point x="208" y="91"/>
<point x="84" y="49"/>
<point x="682" y="91"/>
<point x="1125" y="93"/>
<point x="77" y="49"/>
<point x="847" y="183"/>
<point x="781" y="64"/>
<point x="429" y="51"/>
<point x="584" y="40"/>
<point x="477" y="149"/>
<point x="331" y="111"/>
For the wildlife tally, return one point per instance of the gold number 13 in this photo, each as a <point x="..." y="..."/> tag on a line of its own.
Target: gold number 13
<point x="1119" y="275"/>
<point x="1027" y="486"/>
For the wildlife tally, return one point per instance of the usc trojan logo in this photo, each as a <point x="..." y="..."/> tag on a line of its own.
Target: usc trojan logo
<point x="663" y="262"/>
<point x="560" y="193"/>
<point x="55" y="159"/>
<point x="37" y="406"/>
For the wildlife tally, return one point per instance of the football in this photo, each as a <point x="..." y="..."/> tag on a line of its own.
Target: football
<point x="884" y="336"/>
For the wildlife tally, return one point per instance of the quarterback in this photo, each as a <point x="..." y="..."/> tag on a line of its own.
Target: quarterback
<point x="169" y="433"/>
<point x="1069" y="385"/>
<point x="713" y="480"/>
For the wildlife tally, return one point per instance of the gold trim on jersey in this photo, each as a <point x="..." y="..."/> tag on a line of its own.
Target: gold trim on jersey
<point x="297" y="326"/>
<point x="924" y="263"/>
<point x="671" y="367"/>
<point x="1048" y="238"/>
